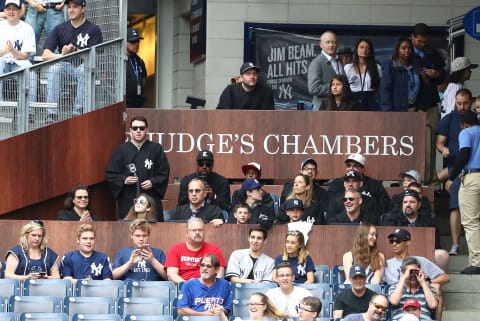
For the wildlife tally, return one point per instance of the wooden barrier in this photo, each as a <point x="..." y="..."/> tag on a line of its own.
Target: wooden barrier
<point x="326" y="243"/>
<point x="281" y="140"/>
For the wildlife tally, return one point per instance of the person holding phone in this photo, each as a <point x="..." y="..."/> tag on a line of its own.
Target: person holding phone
<point x="140" y="262"/>
<point x="31" y="258"/>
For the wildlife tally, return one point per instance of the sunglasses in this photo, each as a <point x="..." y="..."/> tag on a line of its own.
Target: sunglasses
<point x="81" y="197"/>
<point x="191" y="191"/>
<point x="37" y="222"/>
<point x="379" y="306"/>
<point x="135" y="128"/>
<point x="141" y="201"/>
<point x="208" y="266"/>
<point x="205" y="163"/>
<point x="295" y="232"/>
<point x="393" y="241"/>
<point x="351" y="199"/>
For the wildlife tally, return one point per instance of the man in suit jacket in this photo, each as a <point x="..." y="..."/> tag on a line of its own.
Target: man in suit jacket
<point x="322" y="69"/>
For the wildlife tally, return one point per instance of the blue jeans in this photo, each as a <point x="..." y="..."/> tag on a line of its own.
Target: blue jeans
<point x="65" y="71"/>
<point x="43" y="21"/>
<point x="9" y="67"/>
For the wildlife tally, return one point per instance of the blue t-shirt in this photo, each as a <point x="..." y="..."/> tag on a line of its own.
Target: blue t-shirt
<point x="470" y="138"/>
<point x="77" y="266"/>
<point x="26" y="265"/>
<point x="300" y="270"/>
<point x="449" y="127"/>
<point x="143" y="270"/>
<point x="197" y="296"/>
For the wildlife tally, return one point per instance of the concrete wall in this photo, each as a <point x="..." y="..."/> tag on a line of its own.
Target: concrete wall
<point x="225" y="19"/>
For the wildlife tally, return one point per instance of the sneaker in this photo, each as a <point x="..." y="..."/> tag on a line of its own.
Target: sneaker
<point x="471" y="270"/>
<point x="454" y="249"/>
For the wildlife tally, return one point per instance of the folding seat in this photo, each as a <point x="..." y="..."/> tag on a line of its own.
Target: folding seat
<point x="320" y="290"/>
<point x="338" y="274"/>
<point x="95" y="317"/>
<point x="134" y="317"/>
<point x="9" y="287"/>
<point x="242" y="291"/>
<point x="34" y="304"/>
<point x="322" y="273"/>
<point x="240" y="309"/>
<point x="143" y="306"/>
<point x="100" y="288"/>
<point x="197" y="318"/>
<point x="48" y="287"/>
<point x="375" y="287"/>
<point x="7" y="316"/>
<point x="339" y="287"/>
<point x="88" y="305"/>
<point x="150" y="289"/>
<point x="43" y="317"/>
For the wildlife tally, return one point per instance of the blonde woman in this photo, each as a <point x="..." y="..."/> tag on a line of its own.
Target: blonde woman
<point x="295" y="252"/>
<point x="31" y="258"/>
<point x="262" y="309"/>
<point x="366" y="253"/>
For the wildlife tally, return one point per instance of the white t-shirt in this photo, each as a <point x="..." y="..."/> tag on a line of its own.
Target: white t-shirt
<point x="355" y="80"/>
<point x="288" y="303"/>
<point x="22" y="37"/>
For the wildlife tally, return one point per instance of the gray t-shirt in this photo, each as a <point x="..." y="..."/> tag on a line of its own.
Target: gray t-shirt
<point x="393" y="269"/>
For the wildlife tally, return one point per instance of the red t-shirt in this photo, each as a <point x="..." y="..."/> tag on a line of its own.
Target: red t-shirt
<point x="188" y="262"/>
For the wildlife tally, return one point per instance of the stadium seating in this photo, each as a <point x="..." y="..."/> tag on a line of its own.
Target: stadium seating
<point x="43" y="317"/>
<point x="320" y="290"/>
<point x="34" y="304"/>
<point x="143" y="306"/>
<point x="89" y="305"/>
<point x="338" y="274"/>
<point x="7" y="316"/>
<point x="100" y="288"/>
<point x="95" y="317"/>
<point x="59" y="288"/>
<point x="135" y="317"/>
<point x="322" y="273"/>
<point x="242" y="291"/>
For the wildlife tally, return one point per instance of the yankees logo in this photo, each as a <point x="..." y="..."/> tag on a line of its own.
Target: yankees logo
<point x="18" y="45"/>
<point x="148" y="163"/>
<point x="82" y="41"/>
<point x="96" y="270"/>
<point x="301" y="269"/>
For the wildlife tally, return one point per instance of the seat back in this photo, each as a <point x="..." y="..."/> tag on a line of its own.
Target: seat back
<point x="338" y="274"/>
<point x="136" y="317"/>
<point x="322" y="273"/>
<point x="34" y="304"/>
<point x="43" y="317"/>
<point x="151" y="289"/>
<point x="337" y="288"/>
<point x="240" y="309"/>
<point x="59" y="288"/>
<point x="9" y="287"/>
<point x="7" y="316"/>
<point x="143" y="306"/>
<point x="242" y="291"/>
<point x="89" y="305"/>
<point x="375" y="287"/>
<point x="99" y="288"/>
<point x="320" y="290"/>
<point x="197" y="318"/>
<point x="94" y="317"/>
<point x="276" y="202"/>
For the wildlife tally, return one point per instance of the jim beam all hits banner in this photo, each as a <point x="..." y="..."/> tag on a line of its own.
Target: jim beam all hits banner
<point x="284" y="59"/>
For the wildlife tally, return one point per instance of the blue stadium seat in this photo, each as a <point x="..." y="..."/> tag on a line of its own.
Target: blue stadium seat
<point x="338" y="274"/>
<point x="143" y="306"/>
<point x="95" y="317"/>
<point x="134" y="317"/>
<point x="100" y="288"/>
<point x="242" y="291"/>
<point x="9" y="287"/>
<point x="59" y="288"/>
<point x="240" y="308"/>
<point x="88" y="305"/>
<point x="327" y="307"/>
<point x="197" y="318"/>
<point x="322" y="273"/>
<point x="339" y="287"/>
<point x="375" y="287"/>
<point x="150" y="289"/>
<point x="43" y="317"/>
<point x="3" y="304"/>
<point x="7" y="316"/>
<point x="320" y="290"/>
<point x="34" y="304"/>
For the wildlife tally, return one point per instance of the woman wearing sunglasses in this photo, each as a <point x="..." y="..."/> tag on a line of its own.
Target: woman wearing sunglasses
<point x="77" y="206"/>
<point x="31" y="258"/>
<point x="144" y="206"/>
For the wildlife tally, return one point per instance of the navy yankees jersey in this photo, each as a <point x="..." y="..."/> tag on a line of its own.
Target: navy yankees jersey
<point x="96" y="266"/>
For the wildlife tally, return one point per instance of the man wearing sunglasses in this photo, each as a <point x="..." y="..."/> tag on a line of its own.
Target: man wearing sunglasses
<point x="352" y="212"/>
<point x="217" y="186"/>
<point x="399" y="241"/>
<point x="377" y="307"/>
<point x="138" y="166"/>
<point x="207" y="295"/>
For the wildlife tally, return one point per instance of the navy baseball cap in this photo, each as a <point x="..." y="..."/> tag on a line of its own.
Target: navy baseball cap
<point x="293" y="203"/>
<point x="306" y="161"/>
<point x="413" y="193"/>
<point x="357" y="270"/>
<point x="82" y="3"/>
<point x="205" y="155"/>
<point x="133" y="35"/>
<point x="352" y="174"/>
<point x="401" y="234"/>
<point x="247" y="66"/>
<point x="250" y="184"/>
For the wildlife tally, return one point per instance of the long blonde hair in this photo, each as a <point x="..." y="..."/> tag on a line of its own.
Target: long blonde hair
<point x="362" y="252"/>
<point x="307" y="196"/>
<point x="271" y="310"/>
<point x="30" y="227"/>
<point x="302" y="251"/>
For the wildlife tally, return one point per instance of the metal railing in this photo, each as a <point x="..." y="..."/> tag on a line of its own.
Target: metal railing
<point x="62" y="88"/>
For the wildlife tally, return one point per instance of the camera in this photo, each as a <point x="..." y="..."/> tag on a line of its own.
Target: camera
<point x="414" y="272"/>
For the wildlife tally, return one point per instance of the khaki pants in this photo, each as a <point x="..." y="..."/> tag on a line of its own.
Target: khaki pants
<point x="469" y="201"/>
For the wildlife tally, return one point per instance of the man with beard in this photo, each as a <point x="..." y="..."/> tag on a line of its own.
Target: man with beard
<point x="207" y="295"/>
<point x="447" y="144"/>
<point x="249" y="93"/>
<point x="355" y="299"/>
<point x="352" y="212"/>
<point x="217" y="186"/>
<point x="377" y="307"/>
<point x="251" y="265"/>
<point x="413" y="284"/>
<point x="410" y="216"/>
<point x="183" y="259"/>
<point x="197" y="207"/>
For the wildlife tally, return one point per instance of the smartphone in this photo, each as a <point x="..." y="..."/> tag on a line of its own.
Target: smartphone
<point x="43" y="275"/>
<point x="145" y="246"/>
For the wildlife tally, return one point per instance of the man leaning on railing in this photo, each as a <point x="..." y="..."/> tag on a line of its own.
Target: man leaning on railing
<point x="67" y="37"/>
